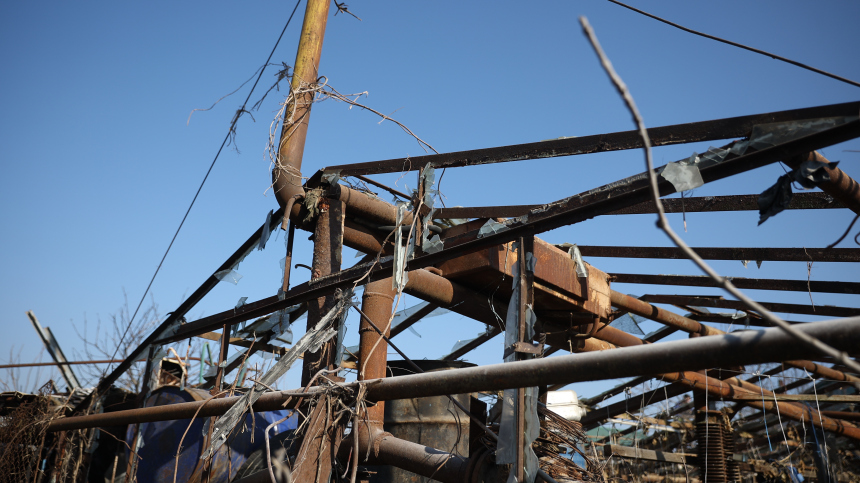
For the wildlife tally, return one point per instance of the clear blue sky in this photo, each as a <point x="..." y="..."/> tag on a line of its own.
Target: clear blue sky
<point x="99" y="163"/>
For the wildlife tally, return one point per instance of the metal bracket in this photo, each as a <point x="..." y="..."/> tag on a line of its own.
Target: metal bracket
<point x="524" y="348"/>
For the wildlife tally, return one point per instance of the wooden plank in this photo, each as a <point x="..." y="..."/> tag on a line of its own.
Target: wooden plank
<point x="644" y="454"/>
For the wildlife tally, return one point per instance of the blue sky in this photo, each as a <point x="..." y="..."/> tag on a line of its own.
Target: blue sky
<point x="100" y="161"/>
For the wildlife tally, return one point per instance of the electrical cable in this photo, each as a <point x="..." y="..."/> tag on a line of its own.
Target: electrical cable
<point x="212" y="165"/>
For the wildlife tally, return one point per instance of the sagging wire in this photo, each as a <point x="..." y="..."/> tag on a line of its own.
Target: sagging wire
<point x="735" y="44"/>
<point x="778" y="415"/>
<point x="847" y="231"/>
<point x="194" y="199"/>
<point x="663" y="222"/>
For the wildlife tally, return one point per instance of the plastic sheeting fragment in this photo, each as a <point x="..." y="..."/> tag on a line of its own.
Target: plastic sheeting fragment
<point x="629" y="323"/>
<point x="491" y="227"/>
<point x="311" y="341"/>
<point x="403" y="249"/>
<point x="228" y="275"/>
<point x="683" y="177"/>
<point x="267" y="231"/>
<point x="240" y="303"/>
<point x="775" y="199"/>
<point x="767" y="135"/>
<point x="576" y="256"/>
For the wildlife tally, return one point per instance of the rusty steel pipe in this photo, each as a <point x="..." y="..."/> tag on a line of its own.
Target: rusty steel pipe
<point x="725" y="390"/>
<point x="419" y="459"/>
<point x="638" y="307"/>
<point x="749" y="347"/>
<point x="841" y="186"/>
<point x="376" y="305"/>
<point x="287" y="176"/>
<point x="671" y="319"/>
<point x="328" y="244"/>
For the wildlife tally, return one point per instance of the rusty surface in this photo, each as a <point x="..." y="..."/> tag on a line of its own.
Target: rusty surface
<point x="328" y="244"/>
<point x="567" y="211"/>
<point x="320" y="443"/>
<point x="704" y="204"/>
<point x="841" y="186"/>
<point x="711" y="253"/>
<point x="639" y="307"/>
<point x="666" y="357"/>
<point x="419" y="459"/>
<point x="719" y="302"/>
<point x="286" y="176"/>
<point x="735" y="127"/>
<point x="744" y="283"/>
<point x="376" y="303"/>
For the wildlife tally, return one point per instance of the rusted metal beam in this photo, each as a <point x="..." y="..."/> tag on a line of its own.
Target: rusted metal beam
<point x="706" y="204"/>
<point x="633" y="404"/>
<point x="739" y="282"/>
<point x="735" y="127"/>
<point x="719" y="302"/>
<point x="453" y="356"/>
<point x="742" y="254"/>
<point x="703" y="204"/>
<point x="591" y="401"/>
<point x="570" y="210"/>
<point x="769" y="345"/>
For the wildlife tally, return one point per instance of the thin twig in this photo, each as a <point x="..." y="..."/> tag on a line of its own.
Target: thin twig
<point x="663" y="223"/>
<point x="735" y="44"/>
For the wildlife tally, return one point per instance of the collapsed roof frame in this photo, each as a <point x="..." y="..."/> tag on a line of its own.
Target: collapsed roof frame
<point x="341" y="226"/>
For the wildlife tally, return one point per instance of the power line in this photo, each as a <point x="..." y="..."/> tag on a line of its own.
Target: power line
<point x="212" y="165"/>
<point x="742" y="46"/>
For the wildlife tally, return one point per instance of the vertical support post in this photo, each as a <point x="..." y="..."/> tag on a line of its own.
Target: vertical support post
<point x="328" y="244"/>
<point x="526" y="245"/>
<point x="222" y="357"/>
<point x="322" y="438"/>
<point x="376" y="303"/>
<point x="416" y="202"/>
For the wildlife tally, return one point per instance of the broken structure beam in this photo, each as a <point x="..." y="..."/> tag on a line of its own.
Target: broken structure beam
<point x="728" y="128"/>
<point x="741" y="254"/>
<point x="703" y="204"/>
<point x="739" y="282"/>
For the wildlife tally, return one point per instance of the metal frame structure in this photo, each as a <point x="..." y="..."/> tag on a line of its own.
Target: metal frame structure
<point x="574" y="312"/>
